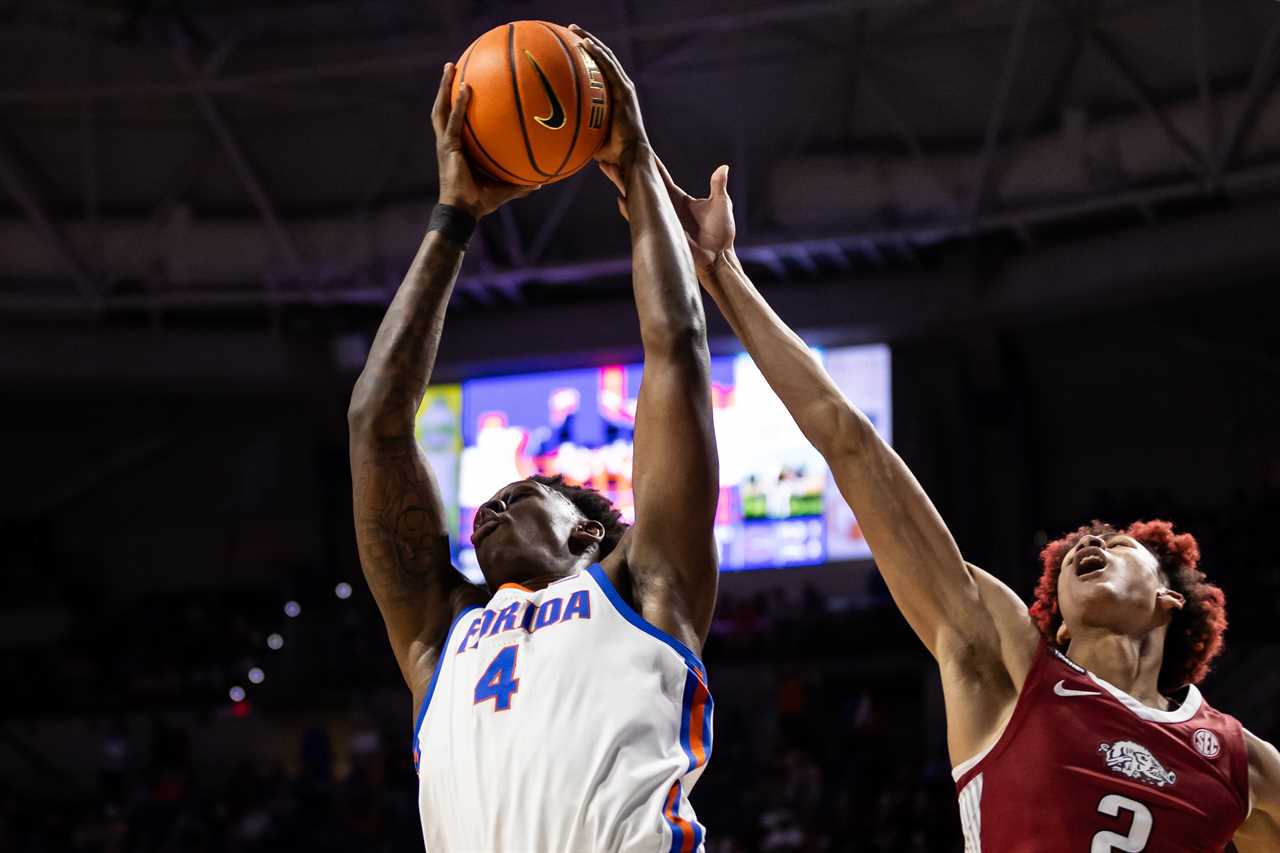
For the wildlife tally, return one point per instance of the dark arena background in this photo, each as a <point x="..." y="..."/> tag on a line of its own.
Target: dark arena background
<point x="1060" y="218"/>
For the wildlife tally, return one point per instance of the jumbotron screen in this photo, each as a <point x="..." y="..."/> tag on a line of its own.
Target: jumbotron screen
<point x="778" y="504"/>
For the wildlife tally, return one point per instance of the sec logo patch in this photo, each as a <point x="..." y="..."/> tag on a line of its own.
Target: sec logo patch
<point x="1206" y="743"/>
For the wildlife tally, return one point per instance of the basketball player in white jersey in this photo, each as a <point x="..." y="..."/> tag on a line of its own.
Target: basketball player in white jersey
<point x="1075" y="725"/>
<point x="563" y="706"/>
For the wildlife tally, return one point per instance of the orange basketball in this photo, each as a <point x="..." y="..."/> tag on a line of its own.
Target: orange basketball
<point x="539" y="104"/>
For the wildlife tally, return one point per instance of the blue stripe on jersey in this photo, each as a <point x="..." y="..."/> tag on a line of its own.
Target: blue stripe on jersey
<point x="431" y="686"/>
<point x="707" y="736"/>
<point x="639" y="621"/>
<point x="686" y="717"/>
<point x="695" y="720"/>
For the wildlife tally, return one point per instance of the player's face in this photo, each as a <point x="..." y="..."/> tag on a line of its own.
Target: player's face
<point x="524" y="531"/>
<point x="1110" y="582"/>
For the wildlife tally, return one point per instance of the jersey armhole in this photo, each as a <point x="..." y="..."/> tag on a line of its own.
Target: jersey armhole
<point x="1010" y="730"/>
<point x="435" y="674"/>
<point x="628" y="612"/>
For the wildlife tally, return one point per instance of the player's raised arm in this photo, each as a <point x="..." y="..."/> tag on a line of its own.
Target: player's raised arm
<point x="671" y="552"/>
<point x="399" y="516"/>
<point x="956" y="609"/>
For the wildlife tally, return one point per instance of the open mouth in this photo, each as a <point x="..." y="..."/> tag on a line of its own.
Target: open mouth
<point x="1090" y="561"/>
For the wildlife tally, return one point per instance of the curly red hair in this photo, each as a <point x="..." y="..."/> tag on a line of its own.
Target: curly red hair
<point x="1195" y="634"/>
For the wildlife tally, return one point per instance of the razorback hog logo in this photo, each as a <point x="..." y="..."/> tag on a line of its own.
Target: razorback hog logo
<point x="1136" y="761"/>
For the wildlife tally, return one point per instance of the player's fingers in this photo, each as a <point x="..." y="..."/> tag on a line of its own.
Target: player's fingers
<point x="720" y="182"/>
<point x="440" y="109"/>
<point x="453" y="130"/>
<point x="589" y="37"/>
<point x="612" y="72"/>
<point x="602" y="55"/>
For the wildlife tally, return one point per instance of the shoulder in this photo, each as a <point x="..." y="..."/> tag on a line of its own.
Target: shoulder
<point x="1261" y="829"/>
<point x="1012" y="640"/>
<point x="1264" y="774"/>
<point x="658" y="598"/>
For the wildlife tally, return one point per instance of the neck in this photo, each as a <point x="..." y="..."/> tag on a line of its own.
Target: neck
<point x="1130" y="663"/>
<point x="538" y="576"/>
<point x="541" y="581"/>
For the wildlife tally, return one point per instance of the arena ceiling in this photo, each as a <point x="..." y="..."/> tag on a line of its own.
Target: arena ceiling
<point x="167" y="162"/>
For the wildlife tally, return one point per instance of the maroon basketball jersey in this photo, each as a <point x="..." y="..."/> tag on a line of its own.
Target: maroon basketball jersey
<point x="1083" y="766"/>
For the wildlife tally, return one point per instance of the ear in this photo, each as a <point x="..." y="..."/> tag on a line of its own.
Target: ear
<point x="1064" y="635"/>
<point x="1167" y="599"/>
<point x="587" y="533"/>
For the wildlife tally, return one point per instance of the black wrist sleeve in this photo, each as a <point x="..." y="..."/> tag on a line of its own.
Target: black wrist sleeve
<point x="453" y="222"/>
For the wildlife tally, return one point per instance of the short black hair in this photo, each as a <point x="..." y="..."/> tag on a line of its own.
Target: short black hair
<point x="593" y="506"/>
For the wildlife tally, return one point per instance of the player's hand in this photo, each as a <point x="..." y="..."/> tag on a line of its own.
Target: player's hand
<point x="626" y="127"/>
<point x="459" y="185"/>
<point x="708" y="222"/>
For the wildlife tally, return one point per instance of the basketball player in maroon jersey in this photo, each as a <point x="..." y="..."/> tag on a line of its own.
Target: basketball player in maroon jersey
<point x="1074" y="725"/>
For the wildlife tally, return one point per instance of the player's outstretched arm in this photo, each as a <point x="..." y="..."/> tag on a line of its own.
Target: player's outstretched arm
<point x="1261" y="831"/>
<point x="670" y="553"/>
<point x="962" y="614"/>
<point x="399" y="516"/>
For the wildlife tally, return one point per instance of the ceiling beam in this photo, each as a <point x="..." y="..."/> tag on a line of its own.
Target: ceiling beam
<point x="1204" y="87"/>
<point x="1265" y="71"/>
<point x="413" y="55"/>
<point x="566" y="194"/>
<point x="909" y="138"/>
<point x="589" y="272"/>
<point x="22" y="188"/>
<point x="1197" y="161"/>
<point x="1123" y="267"/>
<point x="234" y="150"/>
<point x="999" y="107"/>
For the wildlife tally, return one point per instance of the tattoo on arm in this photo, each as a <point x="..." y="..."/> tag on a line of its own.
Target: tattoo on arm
<point x="399" y="516"/>
<point x="398" y="527"/>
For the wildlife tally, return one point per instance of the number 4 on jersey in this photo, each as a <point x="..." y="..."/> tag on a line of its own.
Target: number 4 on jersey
<point x="498" y="681"/>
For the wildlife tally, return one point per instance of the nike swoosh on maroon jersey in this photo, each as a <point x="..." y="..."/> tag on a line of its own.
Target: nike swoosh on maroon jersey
<point x="1067" y="691"/>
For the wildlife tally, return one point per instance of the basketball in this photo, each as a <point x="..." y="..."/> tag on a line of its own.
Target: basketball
<point x="539" y="104"/>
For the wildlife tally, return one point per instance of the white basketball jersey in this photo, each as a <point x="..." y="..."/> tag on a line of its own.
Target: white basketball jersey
<point x="561" y="721"/>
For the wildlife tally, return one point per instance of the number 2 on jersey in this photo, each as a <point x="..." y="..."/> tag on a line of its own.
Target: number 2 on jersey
<point x="499" y="680"/>
<point x="1139" y="830"/>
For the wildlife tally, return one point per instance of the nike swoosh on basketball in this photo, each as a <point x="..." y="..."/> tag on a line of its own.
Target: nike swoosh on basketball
<point x="555" y="121"/>
<point x="1067" y="691"/>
